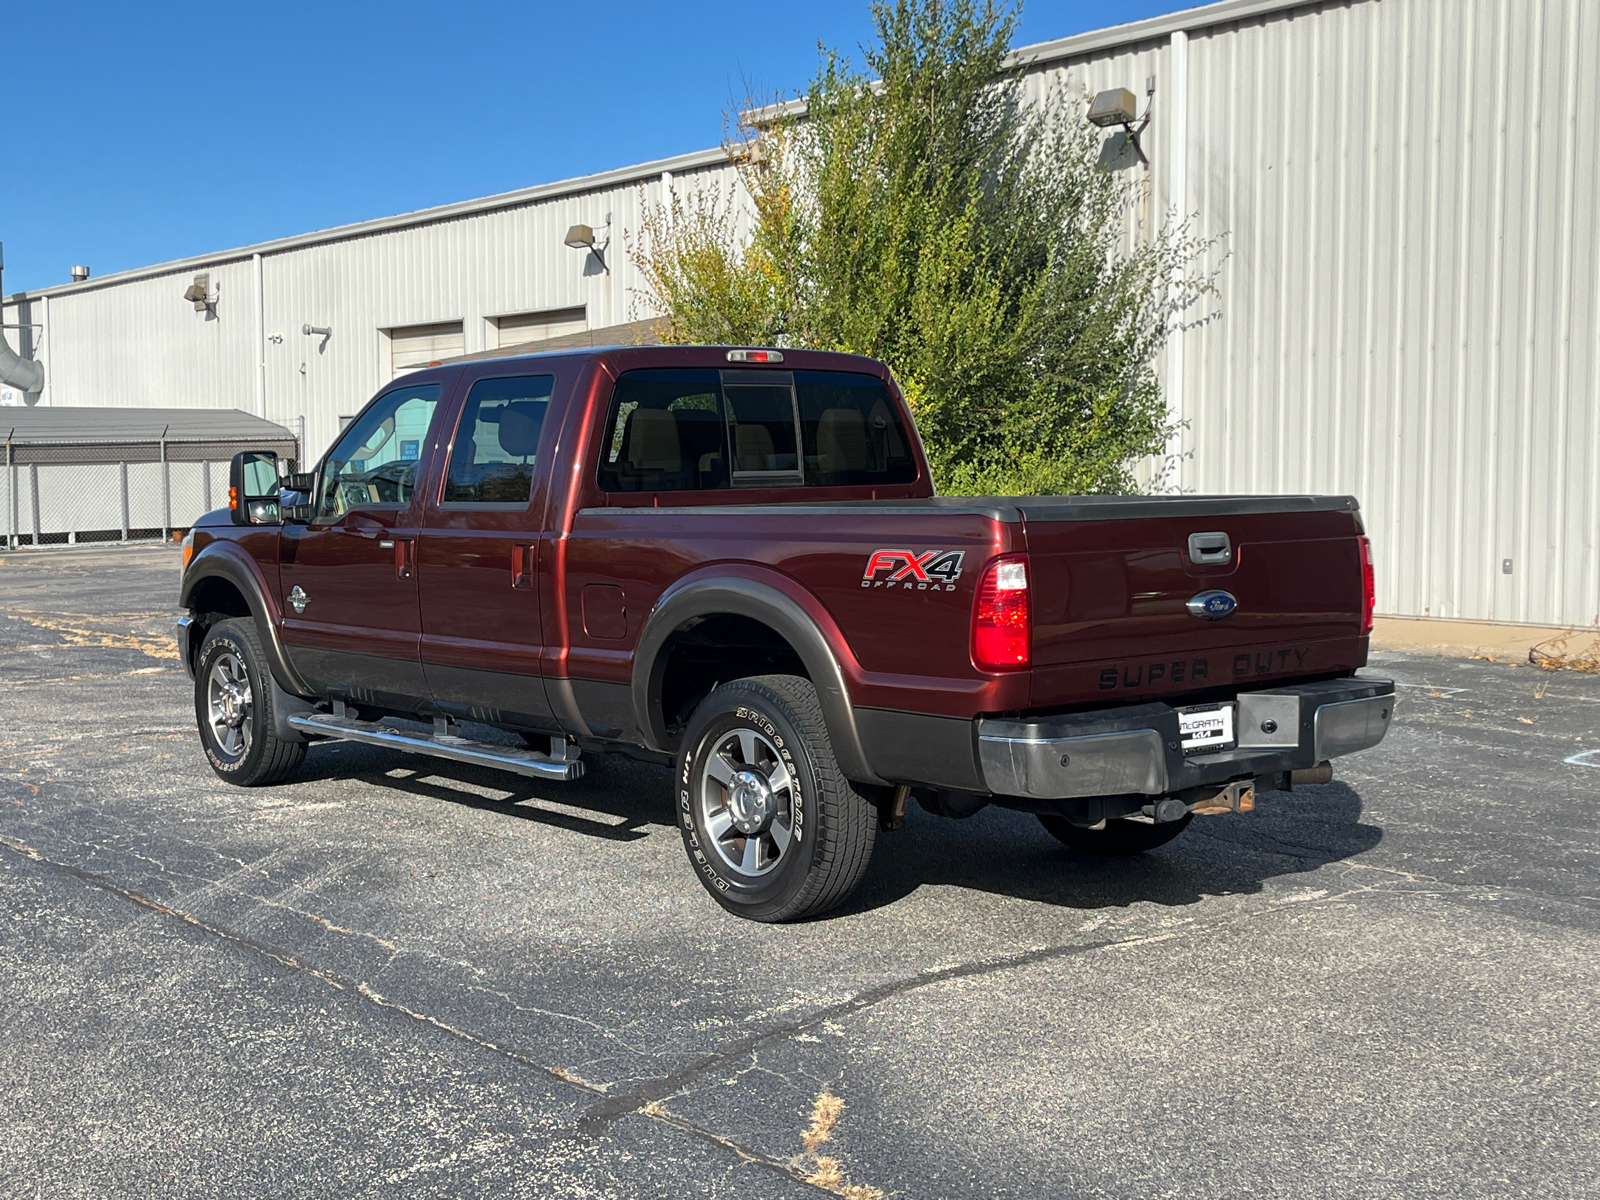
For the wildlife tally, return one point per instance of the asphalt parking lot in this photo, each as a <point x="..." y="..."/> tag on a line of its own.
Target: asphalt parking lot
<point x="397" y="976"/>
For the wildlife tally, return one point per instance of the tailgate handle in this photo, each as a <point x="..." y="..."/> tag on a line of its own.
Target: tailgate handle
<point x="1208" y="549"/>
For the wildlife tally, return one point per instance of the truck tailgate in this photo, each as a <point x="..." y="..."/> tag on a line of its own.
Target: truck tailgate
<point x="1111" y="582"/>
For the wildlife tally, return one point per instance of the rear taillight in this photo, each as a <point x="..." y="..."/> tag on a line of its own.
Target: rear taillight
<point x="1001" y="630"/>
<point x="1369" y="588"/>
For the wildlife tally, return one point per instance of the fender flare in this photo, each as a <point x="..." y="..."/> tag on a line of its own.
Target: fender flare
<point x="215" y="562"/>
<point x="760" y="601"/>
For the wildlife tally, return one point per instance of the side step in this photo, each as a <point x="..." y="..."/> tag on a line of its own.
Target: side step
<point x="561" y="764"/>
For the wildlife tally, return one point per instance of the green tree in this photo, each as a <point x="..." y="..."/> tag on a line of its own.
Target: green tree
<point x="924" y="213"/>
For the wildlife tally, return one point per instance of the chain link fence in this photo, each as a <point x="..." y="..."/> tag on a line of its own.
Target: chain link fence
<point x="66" y="494"/>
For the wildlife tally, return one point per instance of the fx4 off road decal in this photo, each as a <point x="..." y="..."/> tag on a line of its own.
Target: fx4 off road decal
<point x="918" y="569"/>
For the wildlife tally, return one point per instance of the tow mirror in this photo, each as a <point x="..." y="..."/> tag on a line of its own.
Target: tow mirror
<point x="253" y="496"/>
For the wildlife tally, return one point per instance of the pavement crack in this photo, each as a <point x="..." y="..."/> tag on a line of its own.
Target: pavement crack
<point x="609" y="1034"/>
<point x="649" y="1093"/>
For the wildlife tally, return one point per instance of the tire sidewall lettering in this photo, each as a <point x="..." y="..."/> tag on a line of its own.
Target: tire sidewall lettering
<point x="693" y="757"/>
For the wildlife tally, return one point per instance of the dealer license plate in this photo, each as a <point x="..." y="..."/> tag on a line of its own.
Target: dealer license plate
<point x="1206" y="728"/>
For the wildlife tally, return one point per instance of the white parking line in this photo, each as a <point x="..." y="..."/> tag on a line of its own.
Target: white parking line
<point x="1586" y="758"/>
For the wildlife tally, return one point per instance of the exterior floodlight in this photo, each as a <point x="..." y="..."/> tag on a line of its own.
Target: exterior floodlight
<point x="1115" y="107"/>
<point x="581" y="237"/>
<point x="198" y="293"/>
<point x="1118" y="106"/>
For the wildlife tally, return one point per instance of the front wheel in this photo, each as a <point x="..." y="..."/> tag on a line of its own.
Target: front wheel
<point x="233" y="707"/>
<point x="771" y="825"/>
<point x="1119" y="839"/>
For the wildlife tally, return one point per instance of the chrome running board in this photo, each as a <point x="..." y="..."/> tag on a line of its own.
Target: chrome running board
<point x="562" y="763"/>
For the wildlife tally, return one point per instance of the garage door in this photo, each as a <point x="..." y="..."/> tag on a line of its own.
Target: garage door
<point x="412" y="347"/>
<point x="519" y="328"/>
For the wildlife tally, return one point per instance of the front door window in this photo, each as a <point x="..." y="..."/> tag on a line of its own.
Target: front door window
<point x="374" y="463"/>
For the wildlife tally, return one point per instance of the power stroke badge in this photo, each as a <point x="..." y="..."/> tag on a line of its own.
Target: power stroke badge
<point x="919" y="570"/>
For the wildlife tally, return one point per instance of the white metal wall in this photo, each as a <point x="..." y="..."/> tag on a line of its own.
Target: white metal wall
<point x="1406" y="193"/>
<point x="1411" y="307"/>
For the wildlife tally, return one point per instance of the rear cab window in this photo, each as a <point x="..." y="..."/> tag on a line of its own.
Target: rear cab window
<point x="693" y="429"/>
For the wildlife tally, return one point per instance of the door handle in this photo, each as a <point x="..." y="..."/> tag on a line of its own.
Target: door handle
<point x="405" y="557"/>
<point x="522" y="566"/>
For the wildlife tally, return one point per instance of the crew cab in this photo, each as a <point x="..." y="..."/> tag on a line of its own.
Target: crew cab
<point x="733" y="562"/>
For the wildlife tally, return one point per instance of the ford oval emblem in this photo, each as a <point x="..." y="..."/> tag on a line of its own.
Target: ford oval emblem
<point x="1212" y="606"/>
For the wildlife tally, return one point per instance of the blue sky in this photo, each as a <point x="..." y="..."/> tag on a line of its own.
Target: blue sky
<point x="141" y="133"/>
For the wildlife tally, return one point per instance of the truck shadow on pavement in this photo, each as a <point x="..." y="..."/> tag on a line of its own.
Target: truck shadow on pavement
<point x="615" y="802"/>
<point x="998" y="851"/>
<point x="1010" y="854"/>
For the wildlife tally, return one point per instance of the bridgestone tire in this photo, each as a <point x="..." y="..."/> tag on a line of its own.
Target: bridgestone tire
<point x="1119" y="839"/>
<point x="833" y="826"/>
<point x="263" y="758"/>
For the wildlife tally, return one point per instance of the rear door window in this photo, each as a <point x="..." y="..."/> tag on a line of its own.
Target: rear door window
<point x="497" y="441"/>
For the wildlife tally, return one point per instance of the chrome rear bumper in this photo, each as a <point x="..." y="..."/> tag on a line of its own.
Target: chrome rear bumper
<point x="1136" y="750"/>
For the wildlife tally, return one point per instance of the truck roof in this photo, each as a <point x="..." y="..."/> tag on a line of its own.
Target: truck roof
<point x="658" y="354"/>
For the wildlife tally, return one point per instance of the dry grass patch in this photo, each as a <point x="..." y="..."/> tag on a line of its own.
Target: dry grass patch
<point x="821" y="1170"/>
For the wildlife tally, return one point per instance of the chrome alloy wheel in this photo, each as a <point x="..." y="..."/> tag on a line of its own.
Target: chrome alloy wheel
<point x="229" y="705"/>
<point x="747" y="802"/>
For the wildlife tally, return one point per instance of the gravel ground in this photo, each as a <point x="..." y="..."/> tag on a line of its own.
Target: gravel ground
<point x="396" y="976"/>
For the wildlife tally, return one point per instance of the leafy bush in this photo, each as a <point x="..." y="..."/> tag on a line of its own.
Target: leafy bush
<point x="923" y="213"/>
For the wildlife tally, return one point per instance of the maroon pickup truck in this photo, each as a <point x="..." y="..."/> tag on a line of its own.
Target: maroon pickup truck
<point x="733" y="561"/>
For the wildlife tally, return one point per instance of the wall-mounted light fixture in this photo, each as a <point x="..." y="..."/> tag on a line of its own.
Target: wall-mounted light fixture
<point x="582" y="237"/>
<point x="1118" y="106"/>
<point x="199" y="293"/>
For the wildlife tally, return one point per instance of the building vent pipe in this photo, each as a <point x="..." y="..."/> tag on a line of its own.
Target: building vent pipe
<point x="16" y="371"/>
<point x="79" y="274"/>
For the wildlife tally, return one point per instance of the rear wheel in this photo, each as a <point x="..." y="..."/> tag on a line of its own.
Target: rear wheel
<point x="233" y="706"/>
<point x="771" y="825"/>
<point x="1119" y="839"/>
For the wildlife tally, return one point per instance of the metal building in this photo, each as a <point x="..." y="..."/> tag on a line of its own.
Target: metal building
<point x="1407" y="271"/>
<point x="303" y="330"/>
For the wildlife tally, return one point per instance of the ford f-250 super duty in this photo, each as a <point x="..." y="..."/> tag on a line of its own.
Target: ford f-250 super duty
<point x="733" y="562"/>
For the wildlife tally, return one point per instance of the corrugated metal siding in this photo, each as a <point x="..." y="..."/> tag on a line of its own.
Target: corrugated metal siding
<point x="1410" y="309"/>
<point x="138" y="343"/>
<point x="1405" y="193"/>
